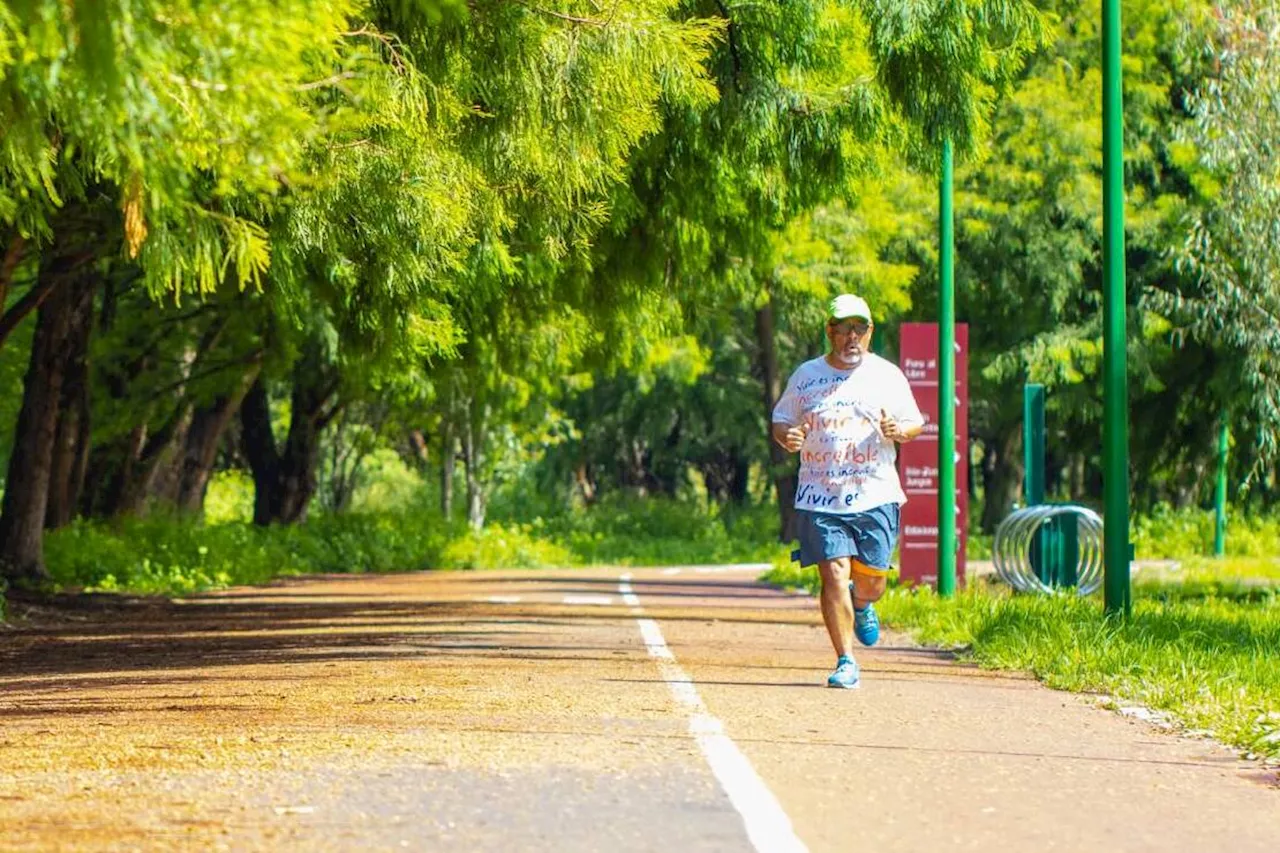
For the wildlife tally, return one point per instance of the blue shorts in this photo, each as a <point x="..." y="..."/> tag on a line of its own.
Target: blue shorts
<point x="869" y="537"/>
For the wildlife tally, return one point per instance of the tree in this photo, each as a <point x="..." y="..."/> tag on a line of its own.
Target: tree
<point x="812" y="96"/>
<point x="1232" y="250"/>
<point x="1029" y="251"/>
<point x="134" y="129"/>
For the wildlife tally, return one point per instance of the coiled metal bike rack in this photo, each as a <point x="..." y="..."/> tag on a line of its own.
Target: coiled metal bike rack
<point x="1016" y="535"/>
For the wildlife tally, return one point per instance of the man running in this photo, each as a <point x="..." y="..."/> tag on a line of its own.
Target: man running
<point x="845" y="412"/>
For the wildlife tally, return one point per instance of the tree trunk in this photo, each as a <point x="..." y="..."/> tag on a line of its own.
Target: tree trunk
<point x="1077" y="468"/>
<point x="781" y="464"/>
<point x="312" y="411"/>
<point x="111" y="468"/>
<point x="299" y="462"/>
<point x="346" y="457"/>
<point x="144" y="468"/>
<point x="448" y="459"/>
<point x="259" y="444"/>
<point x="725" y="475"/>
<point x="1002" y="474"/>
<point x="199" y="448"/>
<point x="71" y="444"/>
<point x="17" y="244"/>
<point x="741" y="478"/>
<point x="585" y="482"/>
<point x="200" y="445"/>
<point x="30" y="302"/>
<point x="472" y="439"/>
<point x="26" y="495"/>
<point x="285" y="480"/>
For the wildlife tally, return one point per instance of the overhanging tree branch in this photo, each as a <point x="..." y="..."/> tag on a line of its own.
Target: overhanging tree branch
<point x="212" y="370"/>
<point x="36" y="296"/>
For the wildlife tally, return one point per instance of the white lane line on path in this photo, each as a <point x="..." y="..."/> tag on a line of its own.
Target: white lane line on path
<point x="767" y="824"/>
<point x="628" y="595"/>
<point x="503" y="599"/>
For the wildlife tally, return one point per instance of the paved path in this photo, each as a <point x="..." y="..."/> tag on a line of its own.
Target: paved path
<point x="584" y="711"/>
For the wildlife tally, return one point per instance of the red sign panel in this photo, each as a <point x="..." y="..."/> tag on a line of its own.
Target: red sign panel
<point x="918" y="460"/>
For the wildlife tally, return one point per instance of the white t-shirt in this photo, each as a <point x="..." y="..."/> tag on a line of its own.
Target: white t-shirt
<point x="846" y="465"/>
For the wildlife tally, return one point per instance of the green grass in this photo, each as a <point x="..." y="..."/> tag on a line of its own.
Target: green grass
<point x="1234" y="578"/>
<point x="172" y="556"/>
<point x="158" y="556"/>
<point x="1211" y="663"/>
<point x="1166" y="533"/>
<point x="635" y="532"/>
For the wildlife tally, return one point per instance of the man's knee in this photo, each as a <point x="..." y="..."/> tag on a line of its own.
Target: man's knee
<point x="835" y="571"/>
<point x="868" y="585"/>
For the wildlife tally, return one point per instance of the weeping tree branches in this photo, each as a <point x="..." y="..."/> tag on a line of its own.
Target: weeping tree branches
<point x="1232" y="248"/>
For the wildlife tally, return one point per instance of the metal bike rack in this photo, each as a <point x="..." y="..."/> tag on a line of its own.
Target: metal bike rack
<point x="1018" y="551"/>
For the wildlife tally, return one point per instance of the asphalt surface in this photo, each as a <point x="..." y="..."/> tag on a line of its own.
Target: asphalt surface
<point x="657" y="710"/>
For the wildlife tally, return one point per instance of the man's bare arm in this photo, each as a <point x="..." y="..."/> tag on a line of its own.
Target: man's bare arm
<point x="790" y="438"/>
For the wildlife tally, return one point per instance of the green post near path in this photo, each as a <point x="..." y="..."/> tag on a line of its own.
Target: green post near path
<point x="1033" y="462"/>
<point x="1115" y="429"/>
<point x="946" y="381"/>
<point x="1033" y="442"/>
<point x="1220" y="495"/>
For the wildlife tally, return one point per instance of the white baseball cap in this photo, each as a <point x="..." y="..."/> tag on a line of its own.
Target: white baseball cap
<point x="847" y="305"/>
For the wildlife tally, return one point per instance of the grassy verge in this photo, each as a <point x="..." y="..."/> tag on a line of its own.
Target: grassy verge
<point x="168" y="556"/>
<point x="1207" y="660"/>
<point x="176" y="557"/>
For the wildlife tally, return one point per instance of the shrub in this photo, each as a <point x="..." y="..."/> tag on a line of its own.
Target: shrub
<point x="1166" y="533"/>
<point x="504" y="546"/>
<point x="176" y="556"/>
<point x="229" y="498"/>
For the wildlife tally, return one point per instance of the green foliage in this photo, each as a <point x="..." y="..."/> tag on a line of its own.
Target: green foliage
<point x="167" y="556"/>
<point x="539" y="238"/>
<point x="500" y="546"/>
<point x="172" y="556"/>
<point x="860" y="246"/>
<point x="944" y="63"/>
<point x="387" y="485"/>
<point x="1228" y="578"/>
<point x="1165" y="533"/>
<point x="627" y="531"/>
<point x="229" y="498"/>
<point x="168" y="107"/>
<point x="1028" y="254"/>
<point x="1232" y="246"/>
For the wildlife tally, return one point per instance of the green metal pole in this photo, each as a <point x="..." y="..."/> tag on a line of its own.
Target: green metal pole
<point x="1115" y="429"/>
<point x="1033" y="463"/>
<point x="946" y="380"/>
<point x="1220" y="496"/>
<point x="1033" y="443"/>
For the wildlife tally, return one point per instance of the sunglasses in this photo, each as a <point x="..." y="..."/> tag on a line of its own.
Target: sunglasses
<point x="857" y="328"/>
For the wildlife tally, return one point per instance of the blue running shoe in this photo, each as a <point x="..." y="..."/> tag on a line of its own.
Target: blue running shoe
<point x="866" y="625"/>
<point x="846" y="675"/>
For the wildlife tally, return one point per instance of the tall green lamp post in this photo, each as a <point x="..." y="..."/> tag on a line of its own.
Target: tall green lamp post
<point x="946" y="379"/>
<point x="1115" y="430"/>
<point x="1220" y="494"/>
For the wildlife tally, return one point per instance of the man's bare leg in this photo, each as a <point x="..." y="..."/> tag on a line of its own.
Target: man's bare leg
<point x="867" y="589"/>
<point x="837" y="607"/>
